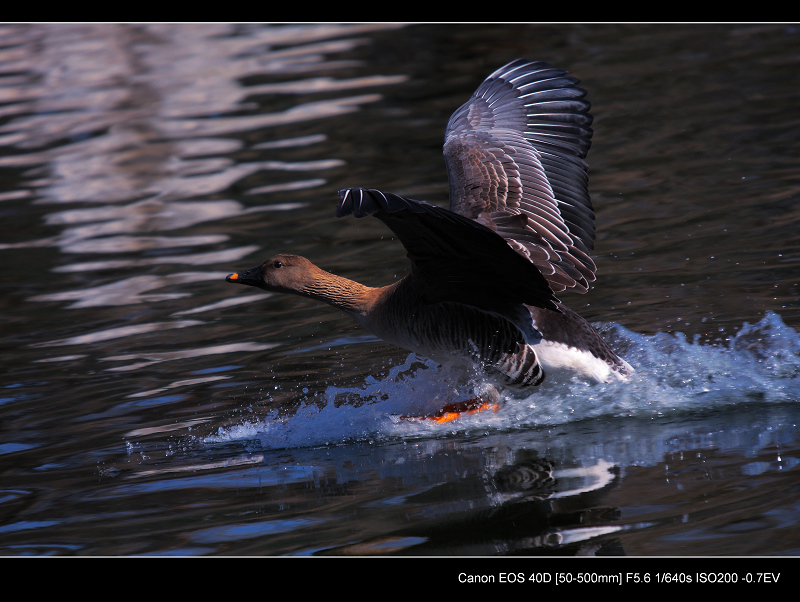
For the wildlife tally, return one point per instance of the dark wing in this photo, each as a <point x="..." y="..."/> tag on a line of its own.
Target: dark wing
<point x="514" y="156"/>
<point x="454" y="258"/>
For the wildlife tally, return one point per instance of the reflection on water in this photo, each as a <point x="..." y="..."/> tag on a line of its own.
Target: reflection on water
<point x="147" y="408"/>
<point x="145" y="109"/>
<point x="150" y="117"/>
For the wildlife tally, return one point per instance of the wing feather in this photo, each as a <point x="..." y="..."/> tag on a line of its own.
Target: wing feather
<point x="517" y="147"/>
<point x="454" y="258"/>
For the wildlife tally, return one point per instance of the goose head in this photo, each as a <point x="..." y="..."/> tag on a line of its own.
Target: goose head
<point x="296" y="275"/>
<point x="282" y="273"/>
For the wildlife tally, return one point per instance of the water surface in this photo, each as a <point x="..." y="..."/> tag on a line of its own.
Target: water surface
<point x="148" y="407"/>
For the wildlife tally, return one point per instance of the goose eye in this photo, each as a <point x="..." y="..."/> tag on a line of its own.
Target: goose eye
<point x="277" y="264"/>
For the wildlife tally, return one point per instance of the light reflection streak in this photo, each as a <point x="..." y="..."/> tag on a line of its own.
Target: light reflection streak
<point x="119" y="332"/>
<point x="180" y="383"/>
<point x="225" y="303"/>
<point x="166" y="356"/>
<point x="130" y="291"/>
<point x="226" y="256"/>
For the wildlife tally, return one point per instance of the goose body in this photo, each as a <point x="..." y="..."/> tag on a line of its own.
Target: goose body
<point x="484" y="272"/>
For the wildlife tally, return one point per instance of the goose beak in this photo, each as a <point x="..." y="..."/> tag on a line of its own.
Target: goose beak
<point x="251" y="277"/>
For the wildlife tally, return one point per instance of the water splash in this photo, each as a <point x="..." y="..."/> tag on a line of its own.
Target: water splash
<point x="674" y="376"/>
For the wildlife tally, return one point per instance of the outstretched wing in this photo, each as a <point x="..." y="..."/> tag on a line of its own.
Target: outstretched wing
<point x="454" y="258"/>
<point x="514" y="155"/>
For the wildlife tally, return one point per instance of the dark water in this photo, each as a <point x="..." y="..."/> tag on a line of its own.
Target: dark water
<point x="148" y="407"/>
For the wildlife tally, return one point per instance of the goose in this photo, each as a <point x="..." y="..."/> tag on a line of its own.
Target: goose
<point x="485" y="272"/>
